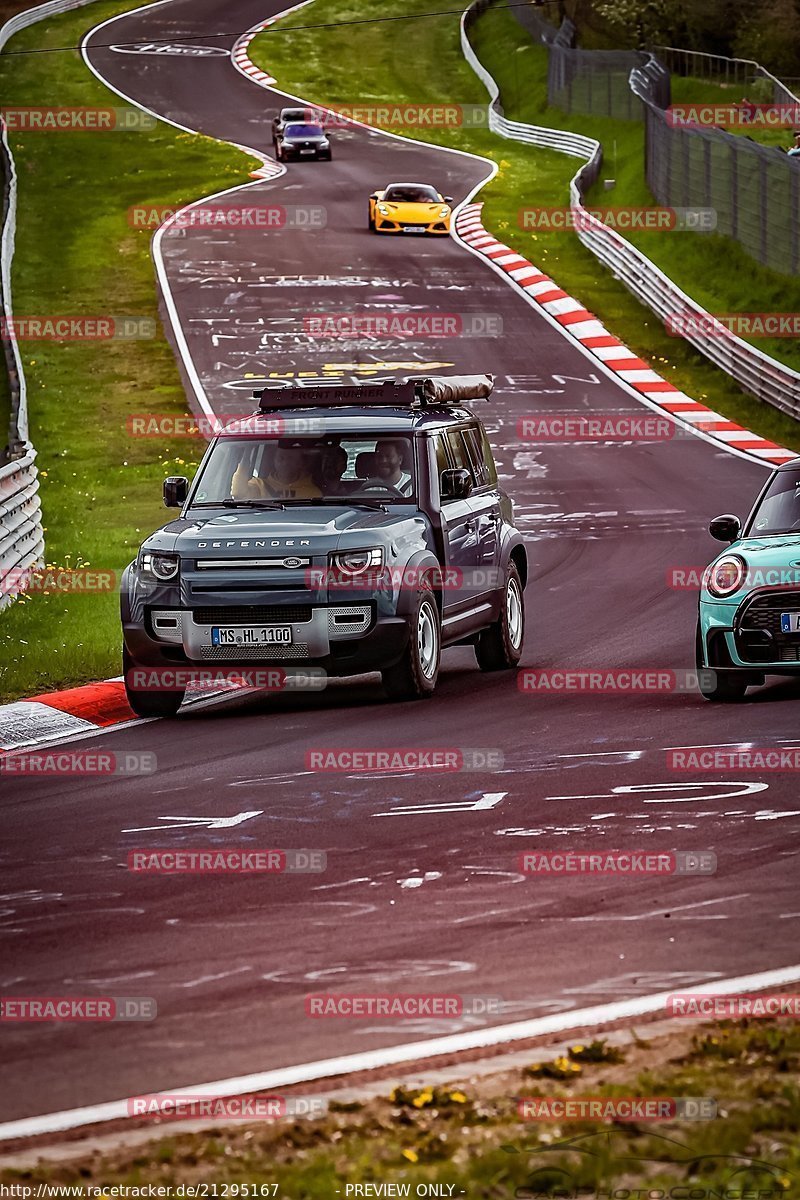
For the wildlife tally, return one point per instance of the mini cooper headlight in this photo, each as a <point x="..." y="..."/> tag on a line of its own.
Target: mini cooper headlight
<point x="357" y="562"/>
<point x="726" y="575"/>
<point x="161" y="568"/>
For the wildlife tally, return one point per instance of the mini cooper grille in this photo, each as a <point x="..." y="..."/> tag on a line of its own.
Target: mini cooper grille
<point x="758" y="629"/>
<point x="255" y="615"/>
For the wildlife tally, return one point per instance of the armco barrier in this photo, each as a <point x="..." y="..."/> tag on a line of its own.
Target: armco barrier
<point x="762" y="376"/>
<point x="21" y="534"/>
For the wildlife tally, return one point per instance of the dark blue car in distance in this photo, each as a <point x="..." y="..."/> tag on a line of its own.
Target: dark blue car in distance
<point x="350" y="528"/>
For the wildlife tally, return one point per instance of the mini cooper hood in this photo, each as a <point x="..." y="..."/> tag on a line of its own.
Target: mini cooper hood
<point x="302" y="532"/>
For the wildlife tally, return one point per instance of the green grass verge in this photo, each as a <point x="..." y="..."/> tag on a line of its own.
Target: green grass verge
<point x="468" y="1137"/>
<point x="421" y="62"/>
<point x="77" y="255"/>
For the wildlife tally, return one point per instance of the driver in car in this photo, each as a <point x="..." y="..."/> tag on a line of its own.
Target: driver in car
<point x="389" y="467"/>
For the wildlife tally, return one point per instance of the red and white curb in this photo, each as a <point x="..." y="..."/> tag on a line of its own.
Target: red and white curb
<point x="584" y="326"/>
<point x="244" y="64"/>
<point x="82" y="711"/>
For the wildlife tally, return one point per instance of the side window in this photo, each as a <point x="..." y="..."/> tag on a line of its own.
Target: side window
<point x="459" y="452"/>
<point x="442" y="461"/>
<point x="481" y="455"/>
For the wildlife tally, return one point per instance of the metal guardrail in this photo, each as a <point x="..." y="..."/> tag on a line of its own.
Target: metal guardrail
<point x="762" y="376"/>
<point x="21" y="533"/>
<point x="741" y="71"/>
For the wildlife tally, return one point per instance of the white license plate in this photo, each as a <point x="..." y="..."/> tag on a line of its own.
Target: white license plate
<point x="790" y="622"/>
<point x="308" y="152"/>
<point x="251" y="635"/>
<point x="413" y="229"/>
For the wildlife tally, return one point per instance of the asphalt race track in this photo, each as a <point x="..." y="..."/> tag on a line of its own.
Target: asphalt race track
<point x="411" y="900"/>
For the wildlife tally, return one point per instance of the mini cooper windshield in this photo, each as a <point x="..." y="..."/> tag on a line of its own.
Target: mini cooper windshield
<point x="343" y="470"/>
<point x="779" y="508"/>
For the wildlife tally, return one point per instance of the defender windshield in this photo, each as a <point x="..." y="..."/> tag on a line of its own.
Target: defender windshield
<point x="341" y="468"/>
<point x="779" y="509"/>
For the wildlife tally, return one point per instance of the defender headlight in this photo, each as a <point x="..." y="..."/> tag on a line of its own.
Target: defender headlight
<point x="161" y="568"/>
<point x="357" y="562"/>
<point x="383" y="210"/>
<point x="726" y="576"/>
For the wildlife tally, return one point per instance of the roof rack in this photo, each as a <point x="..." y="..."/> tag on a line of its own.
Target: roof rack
<point x="415" y="392"/>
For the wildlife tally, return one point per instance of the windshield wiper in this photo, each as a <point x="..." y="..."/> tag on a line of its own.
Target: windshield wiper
<point x="352" y="501"/>
<point x="229" y="502"/>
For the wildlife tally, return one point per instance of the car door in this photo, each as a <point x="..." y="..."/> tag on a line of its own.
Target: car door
<point x="459" y="528"/>
<point x="485" y="504"/>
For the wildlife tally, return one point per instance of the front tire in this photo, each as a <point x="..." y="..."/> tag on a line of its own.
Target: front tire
<point x="414" y="677"/>
<point x="727" y="686"/>
<point x="499" y="648"/>
<point x="149" y="703"/>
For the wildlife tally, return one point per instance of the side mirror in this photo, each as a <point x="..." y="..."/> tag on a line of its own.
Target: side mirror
<point x="725" y="528"/>
<point x="455" y="485"/>
<point x="448" y="199"/>
<point x="176" y="489"/>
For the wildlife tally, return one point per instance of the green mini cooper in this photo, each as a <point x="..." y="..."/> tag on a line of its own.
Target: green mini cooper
<point x="749" y="618"/>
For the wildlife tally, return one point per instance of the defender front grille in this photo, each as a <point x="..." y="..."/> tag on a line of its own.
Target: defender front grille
<point x="264" y="614"/>
<point x="240" y="653"/>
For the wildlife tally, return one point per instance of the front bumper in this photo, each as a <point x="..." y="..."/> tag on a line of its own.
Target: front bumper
<point x="343" y="639"/>
<point x="435" y="228"/>
<point x="747" y="633"/>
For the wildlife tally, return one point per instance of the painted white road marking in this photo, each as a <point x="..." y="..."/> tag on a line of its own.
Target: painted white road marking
<point x="487" y="800"/>
<point x="743" y="788"/>
<point x="415" y="881"/>
<point x="455" y="1043"/>
<point x="198" y="822"/>
<point x="660" y="912"/>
